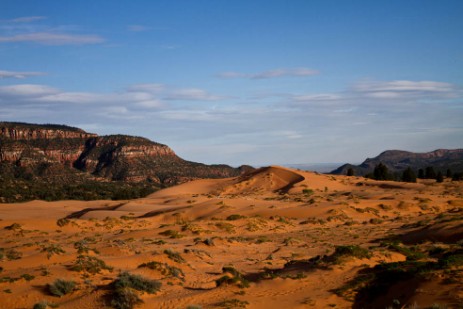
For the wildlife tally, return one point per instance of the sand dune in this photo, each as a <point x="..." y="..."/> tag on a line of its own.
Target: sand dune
<point x="277" y="228"/>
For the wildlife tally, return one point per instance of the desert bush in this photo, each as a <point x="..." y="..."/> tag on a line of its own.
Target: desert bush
<point x="125" y="298"/>
<point x="62" y="222"/>
<point x="10" y="254"/>
<point x="52" y="249"/>
<point x="136" y="282"/>
<point x="235" y="217"/>
<point x="13" y="227"/>
<point x="232" y="303"/>
<point x="174" y="256"/>
<point x="343" y="252"/>
<point x="232" y="276"/>
<point x="61" y="287"/>
<point x="27" y="277"/>
<point x="125" y="289"/>
<point x="164" y="268"/>
<point x="171" y="234"/>
<point x="89" y="264"/>
<point x="307" y="192"/>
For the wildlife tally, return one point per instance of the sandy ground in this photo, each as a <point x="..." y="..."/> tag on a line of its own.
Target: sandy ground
<point x="256" y="223"/>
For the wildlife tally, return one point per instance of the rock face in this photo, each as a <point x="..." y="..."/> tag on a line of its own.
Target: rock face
<point x="37" y="148"/>
<point x="397" y="161"/>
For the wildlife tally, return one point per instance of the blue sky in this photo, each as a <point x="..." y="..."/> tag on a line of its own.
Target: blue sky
<point x="241" y="82"/>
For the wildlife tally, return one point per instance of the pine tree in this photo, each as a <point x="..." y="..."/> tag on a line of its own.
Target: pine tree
<point x="409" y="175"/>
<point x="439" y="177"/>
<point x="381" y="172"/>
<point x="430" y="173"/>
<point x="421" y="173"/>
<point x="449" y="173"/>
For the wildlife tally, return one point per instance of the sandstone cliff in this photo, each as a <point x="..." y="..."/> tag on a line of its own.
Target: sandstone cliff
<point x="46" y="153"/>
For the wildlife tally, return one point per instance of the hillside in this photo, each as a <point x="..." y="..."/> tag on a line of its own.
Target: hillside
<point x="397" y="161"/>
<point x="56" y="161"/>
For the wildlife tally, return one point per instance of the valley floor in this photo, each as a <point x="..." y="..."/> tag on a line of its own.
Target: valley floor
<point x="277" y="238"/>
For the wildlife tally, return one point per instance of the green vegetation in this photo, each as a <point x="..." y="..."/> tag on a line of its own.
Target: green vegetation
<point x="408" y="175"/>
<point x="21" y="186"/>
<point x="126" y="286"/>
<point x="235" y="217"/>
<point x="89" y="264"/>
<point x="165" y="269"/>
<point x="174" y="256"/>
<point x="52" y="249"/>
<point x="61" y="287"/>
<point x="171" y="234"/>
<point x="232" y="276"/>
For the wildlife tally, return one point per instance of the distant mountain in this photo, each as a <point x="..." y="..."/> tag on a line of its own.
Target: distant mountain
<point x="36" y="159"/>
<point x="397" y="161"/>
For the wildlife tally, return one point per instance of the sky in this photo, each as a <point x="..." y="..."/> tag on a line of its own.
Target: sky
<point x="243" y="81"/>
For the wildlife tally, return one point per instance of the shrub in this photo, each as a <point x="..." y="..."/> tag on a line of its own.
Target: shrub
<point x="61" y="287"/>
<point x="174" y="256"/>
<point x="62" y="222"/>
<point x="308" y="191"/>
<point x="125" y="298"/>
<point x="343" y="252"/>
<point x="232" y="276"/>
<point x="164" y="268"/>
<point x="52" y="249"/>
<point x="171" y="234"/>
<point x="125" y="287"/>
<point x="89" y="264"/>
<point x="235" y="217"/>
<point x="136" y="282"/>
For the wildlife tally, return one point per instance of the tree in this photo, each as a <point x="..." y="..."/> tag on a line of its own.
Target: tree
<point x="381" y="172"/>
<point x="350" y="171"/>
<point x="449" y="173"/>
<point x="421" y="173"/>
<point x="430" y="173"/>
<point x="409" y="175"/>
<point x="439" y="177"/>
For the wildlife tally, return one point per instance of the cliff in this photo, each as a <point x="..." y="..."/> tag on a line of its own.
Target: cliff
<point x="398" y="160"/>
<point x="58" y="153"/>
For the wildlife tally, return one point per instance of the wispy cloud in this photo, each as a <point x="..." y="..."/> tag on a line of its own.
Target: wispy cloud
<point x="25" y="29"/>
<point x="404" y="88"/>
<point x="282" y="72"/>
<point x="140" y="96"/>
<point x="19" y="75"/>
<point x="192" y="94"/>
<point x="48" y="38"/>
<point x="27" y="19"/>
<point x="137" y="28"/>
<point x="26" y="91"/>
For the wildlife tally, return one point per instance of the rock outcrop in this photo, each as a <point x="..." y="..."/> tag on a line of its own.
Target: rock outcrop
<point x="113" y="157"/>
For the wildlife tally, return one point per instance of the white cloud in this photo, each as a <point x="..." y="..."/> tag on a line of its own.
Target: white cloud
<point x="404" y="88"/>
<point x="192" y="94"/>
<point x="27" y="90"/>
<point x="49" y="38"/>
<point x="19" y="75"/>
<point x="27" y="19"/>
<point x="282" y="72"/>
<point x="316" y="97"/>
<point x="137" y="28"/>
<point x="152" y="88"/>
